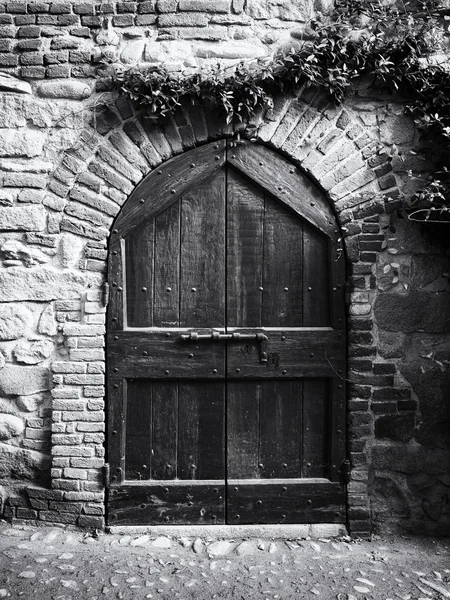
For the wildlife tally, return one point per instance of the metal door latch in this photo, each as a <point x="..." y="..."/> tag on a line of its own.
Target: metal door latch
<point x="216" y="336"/>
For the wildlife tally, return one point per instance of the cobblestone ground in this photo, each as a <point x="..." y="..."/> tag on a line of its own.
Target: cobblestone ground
<point x="59" y="564"/>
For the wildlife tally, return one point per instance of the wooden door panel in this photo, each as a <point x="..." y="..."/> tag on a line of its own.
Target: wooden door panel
<point x="245" y="242"/>
<point x="285" y="501"/>
<point x="139" y="276"/>
<point x="316" y="278"/>
<point x="202" y="270"/>
<point x="316" y="451"/>
<point x="313" y="352"/>
<point x="283" y="267"/>
<point x="138" y="430"/>
<point x="166" y="290"/>
<point x="167" y="503"/>
<point x="163" y="354"/>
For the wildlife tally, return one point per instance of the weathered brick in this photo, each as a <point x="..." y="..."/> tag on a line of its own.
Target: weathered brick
<point x="123" y="20"/>
<point x="65" y="393"/>
<point x="89" y="416"/>
<point x="58" y="517"/>
<point x="71" y="473"/>
<point x="90" y="521"/>
<point x="25" y="20"/>
<point x="64" y="404"/>
<point x="26" y="513"/>
<point x="29" y="31"/>
<point x="68" y="439"/>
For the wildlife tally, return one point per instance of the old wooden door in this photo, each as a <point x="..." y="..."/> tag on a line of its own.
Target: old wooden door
<point x="226" y="345"/>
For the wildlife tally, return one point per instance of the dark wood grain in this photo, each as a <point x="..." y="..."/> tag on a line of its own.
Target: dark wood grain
<point x="192" y="503"/>
<point x="164" y="447"/>
<point x="245" y="222"/>
<point x="243" y="429"/>
<point x="285" y="501"/>
<point x="202" y="272"/>
<point x="166" y="307"/>
<point x="280" y="424"/>
<point x="316" y="278"/>
<point x="166" y="184"/>
<point x="316" y="420"/>
<point x="150" y="354"/>
<point x="138" y="424"/>
<point x="116" y="428"/>
<point x="281" y="179"/>
<point x="116" y="309"/>
<point x="283" y="266"/>
<point x="201" y="430"/>
<point x="139" y="267"/>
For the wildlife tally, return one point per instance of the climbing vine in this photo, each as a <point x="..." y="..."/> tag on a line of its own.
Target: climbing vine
<point x="387" y="45"/>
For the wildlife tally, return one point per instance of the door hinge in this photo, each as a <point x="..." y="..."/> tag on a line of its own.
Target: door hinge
<point x="105" y="295"/>
<point x="346" y="469"/>
<point x="347" y="293"/>
<point x="106" y="473"/>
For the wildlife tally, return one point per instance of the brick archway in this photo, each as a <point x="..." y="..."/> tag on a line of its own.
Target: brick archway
<point x="87" y="190"/>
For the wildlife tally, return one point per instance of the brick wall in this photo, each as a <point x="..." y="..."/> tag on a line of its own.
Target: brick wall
<point x="66" y="170"/>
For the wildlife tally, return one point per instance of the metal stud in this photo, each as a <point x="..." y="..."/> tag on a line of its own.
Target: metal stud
<point x="114" y="319"/>
<point x="115" y="252"/>
<point x="166" y="490"/>
<point x="233" y="156"/>
<point x="173" y="191"/>
<point x="285" y="466"/>
<point x="159" y="172"/>
<point x="168" y="466"/>
<point x="334" y="289"/>
<point x="309" y="289"/>
<point x="309" y="502"/>
<point x="116" y="337"/>
<point x="312" y="203"/>
<point x="116" y="386"/>
<point x="145" y="353"/>
<point x="340" y="386"/>
<point x="166" y="519"/>
<point x="115" y="231"/>
<point x="190" y="355"/>
<point x="214" y="371"/>
<point x="283" y="337"/>
<point x="308" y="465"/>
<point x="217" y="157"/>
<point x="166" y="372"/>
<point x="261" y="466"/>
<point x="261" y="289"/>
<point x="259" y="502"/>
<point x="114" y="283"/>
<point x="261" y="163"/>
<point x="115" y="370"/>
<point x="144" y="466"/>
<point x="114" y="432"/>
<point x="192" y="165"/>
<point x="190" y="503"/>
<point x="216" y="146"/>
<point x="141" y="201"/>
<point x="168" y="289"/>
<point x="284" y="489"/>
<point x="286" y="289"/>
<point x="279" y="188"/>
<point x="238" y="370"/>
<point x="167" y="334"/>
<point x="283" y="372"/>
<point x="142" y="505"/>
<point x="143" y="289"/>
<point x="311" y="355"/>
<point x="193" y="289"/>
<point x="213" y="517"/>
<point x="193" y="467"/>
<point x="291" y="171"/>
<point x="283" y="516"/>
<point x="119" y="289"/>
<point x="238" y="516"/>
<point x="215" y="490"/>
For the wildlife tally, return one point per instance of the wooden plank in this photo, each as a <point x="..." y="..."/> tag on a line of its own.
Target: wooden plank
<point x="138" y="430"/>
<point x="337" y="427"/>
<point x="285" y="501"/>
<point x="166" y="296"/>
<point x="139" y="257"/>
<point x="164" y="430"/>
<point x="167" y="503"/>
<point x="166" y="184"/>
<point x="316" y="415"/>
<point x="243" y="429"/>
<point x="280" y="178"/>
<point x="116" y="389"/>
<point x="115" y="312"/>
<point x="202" y="273"/>
<point x="163" y="354"/>
<point x="337" y="284"/>
<point x="245" y="220"/>
<point x="201" y="430"/>
<point x="283" y="266"/>
<point x="280" y="414"/>
<point x="312" y="352"/>
<point x="316" y="283"/>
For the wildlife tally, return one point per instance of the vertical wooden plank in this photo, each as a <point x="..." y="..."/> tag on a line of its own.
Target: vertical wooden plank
<point x="138" y="430"/>
<point x="116" y="310"/>
<point x="337" y="428"/>
<point x="245" y="218"/>
<point x="243" y="399"/>
<point x="315" y="427"/>
<point x="164" y="430"/>
<point x="316" y="289"/>
<point x="166" y="295"/>
<point x="202" y="274"/>
<point x="337" y="284"/>
<point x="139" y="276"/>
<point x="116" y="428"/>
<point x="280" y="416"/>
<point x="201" y="430"/>
<point x="282" y="281"/>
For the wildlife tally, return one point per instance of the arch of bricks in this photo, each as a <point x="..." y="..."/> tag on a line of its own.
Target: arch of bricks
<point x="87" y="190"/>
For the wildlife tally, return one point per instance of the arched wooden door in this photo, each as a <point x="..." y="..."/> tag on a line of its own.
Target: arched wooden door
<point x="226" y="345"/>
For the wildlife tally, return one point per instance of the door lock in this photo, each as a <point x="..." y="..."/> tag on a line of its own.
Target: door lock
<point x="216" y="336"/>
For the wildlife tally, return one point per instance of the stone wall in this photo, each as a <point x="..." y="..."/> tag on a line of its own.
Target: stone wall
<point x="66" y="170"/>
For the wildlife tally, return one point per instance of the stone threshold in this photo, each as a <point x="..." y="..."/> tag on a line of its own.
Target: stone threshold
<point x="288" y="532"/>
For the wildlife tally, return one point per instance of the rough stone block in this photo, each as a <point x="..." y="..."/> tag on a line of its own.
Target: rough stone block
<point x="10" y="426"/>
<point x="14" y="321"/>
<point x="412" y="312"/>
<point x="20" y="381"/>
<point x="40" y="283"/>
<point x="73" y="90"/>
<point x="15" y="143"/>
